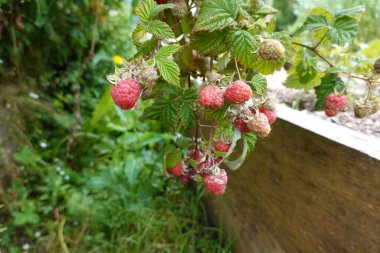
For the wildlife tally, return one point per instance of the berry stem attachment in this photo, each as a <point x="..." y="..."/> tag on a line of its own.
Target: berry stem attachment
<point x="237" y="69"/>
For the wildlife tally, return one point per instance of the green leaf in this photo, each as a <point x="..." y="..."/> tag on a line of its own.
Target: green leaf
<point x="251" y="141"/>
<point x="138" y="33"/>
<point x="267" y="67"/>
<point x="167" y="51"/>
<point x="165" y="111"/>
<point x="172" y="158"/>
<point x="351" y="12"/>
<point x="313" y="23"/>
<point x="234" y="165"/>
<point x="147" y="47"/>
<point x="343" y="30"/>
<point x="292" y="81"/>
<point x="217" y="114"/>
<point x="148" y="9"/>
<point x="306" y="67"/>
<point x="209" y="43"/>
<point x="318" y="11"/>
<point x="159" y="29"/>
<point x="329" y="84"/>
<point x="216" y="15"/>
<point x="242" y="45"/>
<point x="187" y="115"/>
<point x="169" y="70"/>
<point x="259" y="84"/>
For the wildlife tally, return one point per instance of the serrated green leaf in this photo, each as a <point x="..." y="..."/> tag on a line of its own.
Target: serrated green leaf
<point x="242" y="45"/>
<point x="169" y="70"/>
<point x="148" y="9"/>
<point x="319" y="11"/>
<point x="209" y="43"/>
<point x="313" y="23"/>
<point x="138" y="33"/>
<point x="167" y="51"/>
<point x="217" y="114"/>
<point x="172" y="159"/>
<point x="329" y="84"/>
<point x="343" y="30"/>
<point x="259" y="84"/>
<point x="292" y="81"/>
<point x="234" y="165"/>
<point x="251" y="141"/>
<point x="159" y="29"/>
<point x="351" y="12"/>
<point x="147" y="47"/>
<point x="267" y="67"/>
<point x="216" y="15"/>
<point x="306" y="67"/>
<point x="187" y="115"/>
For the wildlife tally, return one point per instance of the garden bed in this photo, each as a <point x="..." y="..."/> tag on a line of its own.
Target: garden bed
<point x="312" y="186"/>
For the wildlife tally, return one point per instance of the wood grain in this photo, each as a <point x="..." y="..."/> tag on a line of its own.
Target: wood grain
<point x="301" y="192"/>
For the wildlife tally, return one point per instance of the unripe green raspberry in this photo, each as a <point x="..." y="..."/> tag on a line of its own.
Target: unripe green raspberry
<point x="180" y="10"/>
<point x="271" y="50"/>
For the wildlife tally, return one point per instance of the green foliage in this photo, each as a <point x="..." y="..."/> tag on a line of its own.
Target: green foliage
<point x="329" y="83"/>
<point x="242" y="45"/>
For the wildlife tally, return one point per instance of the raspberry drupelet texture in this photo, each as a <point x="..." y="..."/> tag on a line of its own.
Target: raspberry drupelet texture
<point x="211" y="97"/>
<point x="176" y="171"/>
<point x="271" y="115"/>
<point x="125" y="93"/>
<point x="216" y="184"/>
<point x="221" y="146"/>
<point x="271" y="50"/>
<point x="238" y="92"/>
<point x="260" y="125"/>
<point x="334" y="104"/>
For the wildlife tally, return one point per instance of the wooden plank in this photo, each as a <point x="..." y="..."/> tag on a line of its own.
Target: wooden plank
<point x="302" y="192"/>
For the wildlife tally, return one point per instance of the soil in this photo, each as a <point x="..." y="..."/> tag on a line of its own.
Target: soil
<point x="305" y="100"/>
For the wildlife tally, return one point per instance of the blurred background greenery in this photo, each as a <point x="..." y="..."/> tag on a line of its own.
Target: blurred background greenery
<point x="76" y="173"/>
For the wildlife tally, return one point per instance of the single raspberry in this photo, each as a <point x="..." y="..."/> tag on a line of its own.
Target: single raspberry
<point x="271" y="115"/>
<point x="238" y="92"/>
<point x="260" y="125"/>
<point x="216" y="184"/>
<point x="221" y="146"/>
<point x="211" y="97"/>
<point x="241" y="125"/>
<point x="271" y="50"/>
<point x="125" y="93"/>
<point x="162" y="1"/>
<point x="180" y="9"/>
<point x="205" y="167"/>
<point x="147" y="77"/>
<point x="334" y="104"/>
<point x="176" y="171"/>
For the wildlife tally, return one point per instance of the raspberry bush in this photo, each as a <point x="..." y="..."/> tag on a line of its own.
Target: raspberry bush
<point x="203" y="63"/>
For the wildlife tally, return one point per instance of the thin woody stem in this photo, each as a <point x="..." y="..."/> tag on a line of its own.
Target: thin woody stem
<point x="237" y="68"/>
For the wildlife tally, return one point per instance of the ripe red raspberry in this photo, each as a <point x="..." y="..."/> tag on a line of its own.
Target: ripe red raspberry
<point x="221" y="146"/>
<point x="260" y="125"/>
<point x="216" y="184"/>
<point x="241" y="125"/>
<point x="271" y="115"/>
<point x="125" y="93"/>
<point x="211" y="97"/>
<point x="162" y="1"/>
<point x="176" y="171"/>
<point x="334" y="104"/>
<point x="238" y="92"/>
